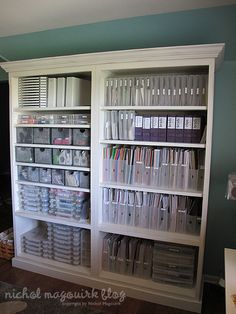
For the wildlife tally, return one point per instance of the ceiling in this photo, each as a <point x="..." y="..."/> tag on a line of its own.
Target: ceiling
<point x="27" y="16"/>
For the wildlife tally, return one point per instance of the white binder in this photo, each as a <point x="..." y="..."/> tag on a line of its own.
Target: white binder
<point x="61" y="88"/>
<point x="77" y="92"/>
<point x="52" y="92"/>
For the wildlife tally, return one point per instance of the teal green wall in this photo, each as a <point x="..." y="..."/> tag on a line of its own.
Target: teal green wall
<point x="221" y="231"/>
<point x="187" y="27"/>
<point x="202" y="26"/>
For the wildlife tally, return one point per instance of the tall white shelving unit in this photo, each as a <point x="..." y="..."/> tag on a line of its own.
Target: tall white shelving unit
<point x="98" y="67"/>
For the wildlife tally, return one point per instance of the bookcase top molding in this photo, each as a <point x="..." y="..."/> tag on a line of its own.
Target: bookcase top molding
<point x="206" y="51"/>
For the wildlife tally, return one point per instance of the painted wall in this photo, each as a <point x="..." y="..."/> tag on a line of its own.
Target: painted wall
<point x="221" y="231"/>
<point x="182" y="28"/>
<point x="4" y="129"/>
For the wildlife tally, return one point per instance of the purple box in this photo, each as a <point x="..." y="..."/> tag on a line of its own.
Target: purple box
<point x="146" y="128"/>
<point x="171" y="120"/>
<point x="188" y="127"/>
<point x="162" y="128"/>
<point x="179" y="129"/>
<point x="154" y="129"/>
<point x="139" y="128"/>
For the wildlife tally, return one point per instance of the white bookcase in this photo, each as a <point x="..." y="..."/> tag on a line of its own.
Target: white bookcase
<point x="99" y="67"/>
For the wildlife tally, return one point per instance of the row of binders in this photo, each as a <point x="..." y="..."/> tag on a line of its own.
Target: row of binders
<point x="157" y="167"/>
<point x="157" y="90"/>
<point x="61" y="243"/>
<point x="162" y="262"/>
<point x="52" y="92"/>
<point x="127" y="256"/>
<point x="128" y="125"/>
<point x="152" y="210"/>
<point x="56" y="202"/>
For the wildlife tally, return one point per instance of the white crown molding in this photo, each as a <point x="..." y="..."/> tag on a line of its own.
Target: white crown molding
<point x="209" y="51"/>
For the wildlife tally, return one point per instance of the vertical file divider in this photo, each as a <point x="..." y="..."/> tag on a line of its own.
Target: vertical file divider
<point x="191" y="222"/>
<point x="130" y="216"/>
<point x="163" y="214"/>
<point x="122" y="207"/>
<point x="106" y="205"/>
<point x="173" y="212"/>
<point x="165" y="175"/>
<point x="144" y="221"/>
<point x="193" y="179"/>
<point x="113" y="170"/>
<point x="138" y="215"/>
<point x="173" y="176"/>
<point x="147" y="260"/>
<point x="181" y="220"/>
<point x="152" y="211"/>
<point x="120" y="171"/>
<point x="138" y="172"/>
<point x="138" y="260"/>
<point x="121" y="256"/>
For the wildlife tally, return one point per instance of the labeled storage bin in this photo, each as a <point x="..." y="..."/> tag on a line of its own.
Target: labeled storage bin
<point x="69" y="204"/>
<point x="33" y="174"/>
<point x="82" y="118"/>
<point x="34" y="198"/>
<point x="22" y="173"/>
<point x="43" y="155"/>
<point x="45" y="175"/>
<point x="24" y="135"/>
<point x="42" y="136"/>
<point x="44" y="119"/>
<point x="174" y="264"/>
<point x="81" y="137"/>
<point x="61" y="243"/>
<point x="81" y="158"/>
<point x="64" y="119"/>
<point x="77" y="178"/>
<point x="61" y="136"/>
<point x="58" y="177"/>
<point x="62" y="156"/>
<point x="84" y="179"/>
<point x="24" y="154"/>
<point x="72" y="178"/>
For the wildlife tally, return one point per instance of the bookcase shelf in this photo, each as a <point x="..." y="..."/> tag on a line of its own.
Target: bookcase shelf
<point x="145" y="143"/>
<point x="152" y="66"/>
<point x="53" y="219"/>
<point x="53" y="186"/>
<point x="28" y="164"/>
<point x="152" y="189"/>
<point x="58" y="266"/>
<point x="47" y="109"/>
<point x="53" y="146"/>
<point x="156" y="108"/>
<point x="156" y="235"/>
<point x="70" y="126"/>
